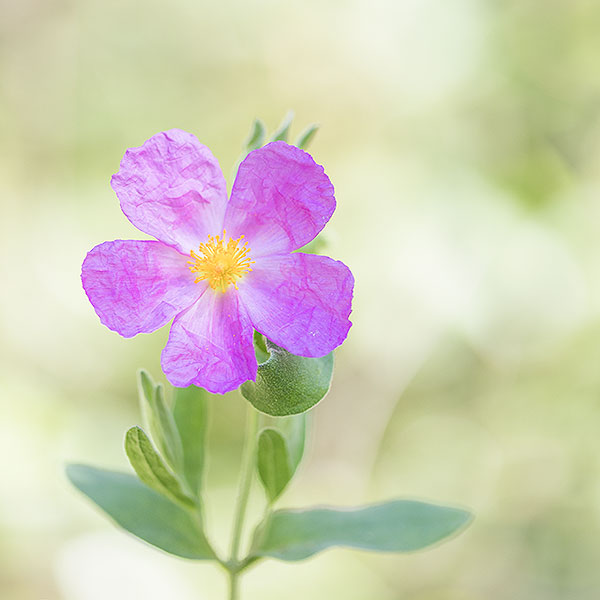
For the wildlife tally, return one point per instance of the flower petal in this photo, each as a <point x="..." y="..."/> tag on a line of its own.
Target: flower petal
<point x="173" y="189"/>
<point x="299" y="301"/>
<point x="281" y="200"/>
<point x="137" y="286"/>
<point x="210" y="345"/>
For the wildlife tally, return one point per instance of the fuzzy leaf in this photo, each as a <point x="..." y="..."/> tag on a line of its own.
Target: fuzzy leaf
<point x="191" y="418"/>
<point x="274" y="465"/>
<point x="293" y="429"/>
<point x="160" y="420"/>
<point x="396" y="526"/>
<point x="282" y="132"/>
<point x="287" y="384"/>
<point x="257" y="136"/>
<point x="306" y="137"/>
<point x="143" y="512"/>
<point x="151" y="468"/>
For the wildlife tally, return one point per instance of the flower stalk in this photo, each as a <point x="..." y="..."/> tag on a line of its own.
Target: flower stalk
<point x="247" y="469"/>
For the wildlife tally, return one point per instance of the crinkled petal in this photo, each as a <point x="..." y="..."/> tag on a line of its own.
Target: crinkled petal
<point x="281" y="199"/>
<point x="137" y="286"/>
<point x="299" y="301"/>
<point x="173" y="189"/>
<point x="210" y="345"/>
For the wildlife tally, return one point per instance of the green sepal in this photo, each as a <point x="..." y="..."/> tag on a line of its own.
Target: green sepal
<point x="396" y="526"/>
<point x="306" y="137"/>
<point x="151" y="468"/>
<point x="287" y="384"/>
<point x="257" y="136"/>
<point x="190" y="411"/>
<point x="160" y="420"/>
<point x="143" y="512"/>
<point x="283" y="131"/>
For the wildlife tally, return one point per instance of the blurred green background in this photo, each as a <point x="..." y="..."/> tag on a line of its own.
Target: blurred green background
<point x="463" y="139"/>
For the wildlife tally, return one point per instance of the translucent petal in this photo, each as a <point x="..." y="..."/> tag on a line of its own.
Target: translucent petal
<point x="281" y="199"/>
<point x="299" y="301"/>
<point x="210" y="345"/>
<point x="173" y="189"/>
<point x="137" y="286"/>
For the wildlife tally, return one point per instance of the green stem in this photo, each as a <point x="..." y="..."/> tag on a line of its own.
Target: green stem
<point x="247" y="469"/>
<point x="233" y="585"/>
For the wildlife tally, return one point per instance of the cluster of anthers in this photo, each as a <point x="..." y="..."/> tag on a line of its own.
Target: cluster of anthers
<point x="219" y="263"/>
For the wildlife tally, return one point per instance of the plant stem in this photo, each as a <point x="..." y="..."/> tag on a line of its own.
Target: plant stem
<point x="248" y="459"/>
<point x="233" y="585"/>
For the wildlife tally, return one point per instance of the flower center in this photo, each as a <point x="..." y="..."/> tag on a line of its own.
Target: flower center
<point x="219" y="263"/>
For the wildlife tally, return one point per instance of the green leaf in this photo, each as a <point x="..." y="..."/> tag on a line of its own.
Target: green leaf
<point x="315" y="246"/>
<point x="151" y="468"/>
<point x="293" y="429"/>
<point x="160" y="420"/>
<point x="287" y="384"/>
<point x="260" y="348"/>
<point x="257" y="136"/>
<point x="280" y="450"/>
<point x="191" y="418"/>
<point x="282" y="132"/>
<point x="396" y="526"/>
<point x="274" y="465"/>
<point x="306" y="137"/>
<point x="143" y="512"/>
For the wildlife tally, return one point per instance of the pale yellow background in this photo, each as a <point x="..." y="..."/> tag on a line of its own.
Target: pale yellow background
<point x="463" y="139"/>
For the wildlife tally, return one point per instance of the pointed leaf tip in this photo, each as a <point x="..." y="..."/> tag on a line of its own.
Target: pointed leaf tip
<point x="396" y="526"/>
<point x="283" y="131"/>
<point x="306" y="137"/>
<point x="151" y="469"/>
<point x="160" y="420"/>
<point x="257" y="136"/>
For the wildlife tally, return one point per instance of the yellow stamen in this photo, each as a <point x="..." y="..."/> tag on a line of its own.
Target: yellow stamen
<point x="219" y="263"/>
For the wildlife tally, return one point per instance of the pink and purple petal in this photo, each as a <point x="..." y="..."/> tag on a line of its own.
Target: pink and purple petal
<point x="173" y="189"/>
<point x="299" y="301"/>
<point x="281" y="199"/>
<point x="210" y="345"/>
<point x="137" y="286"/>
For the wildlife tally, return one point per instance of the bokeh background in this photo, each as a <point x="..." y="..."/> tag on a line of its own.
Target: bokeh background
<point x="463" y="139"/>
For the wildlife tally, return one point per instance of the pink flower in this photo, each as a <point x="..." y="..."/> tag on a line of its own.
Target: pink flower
<point x="220" y="268"/>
